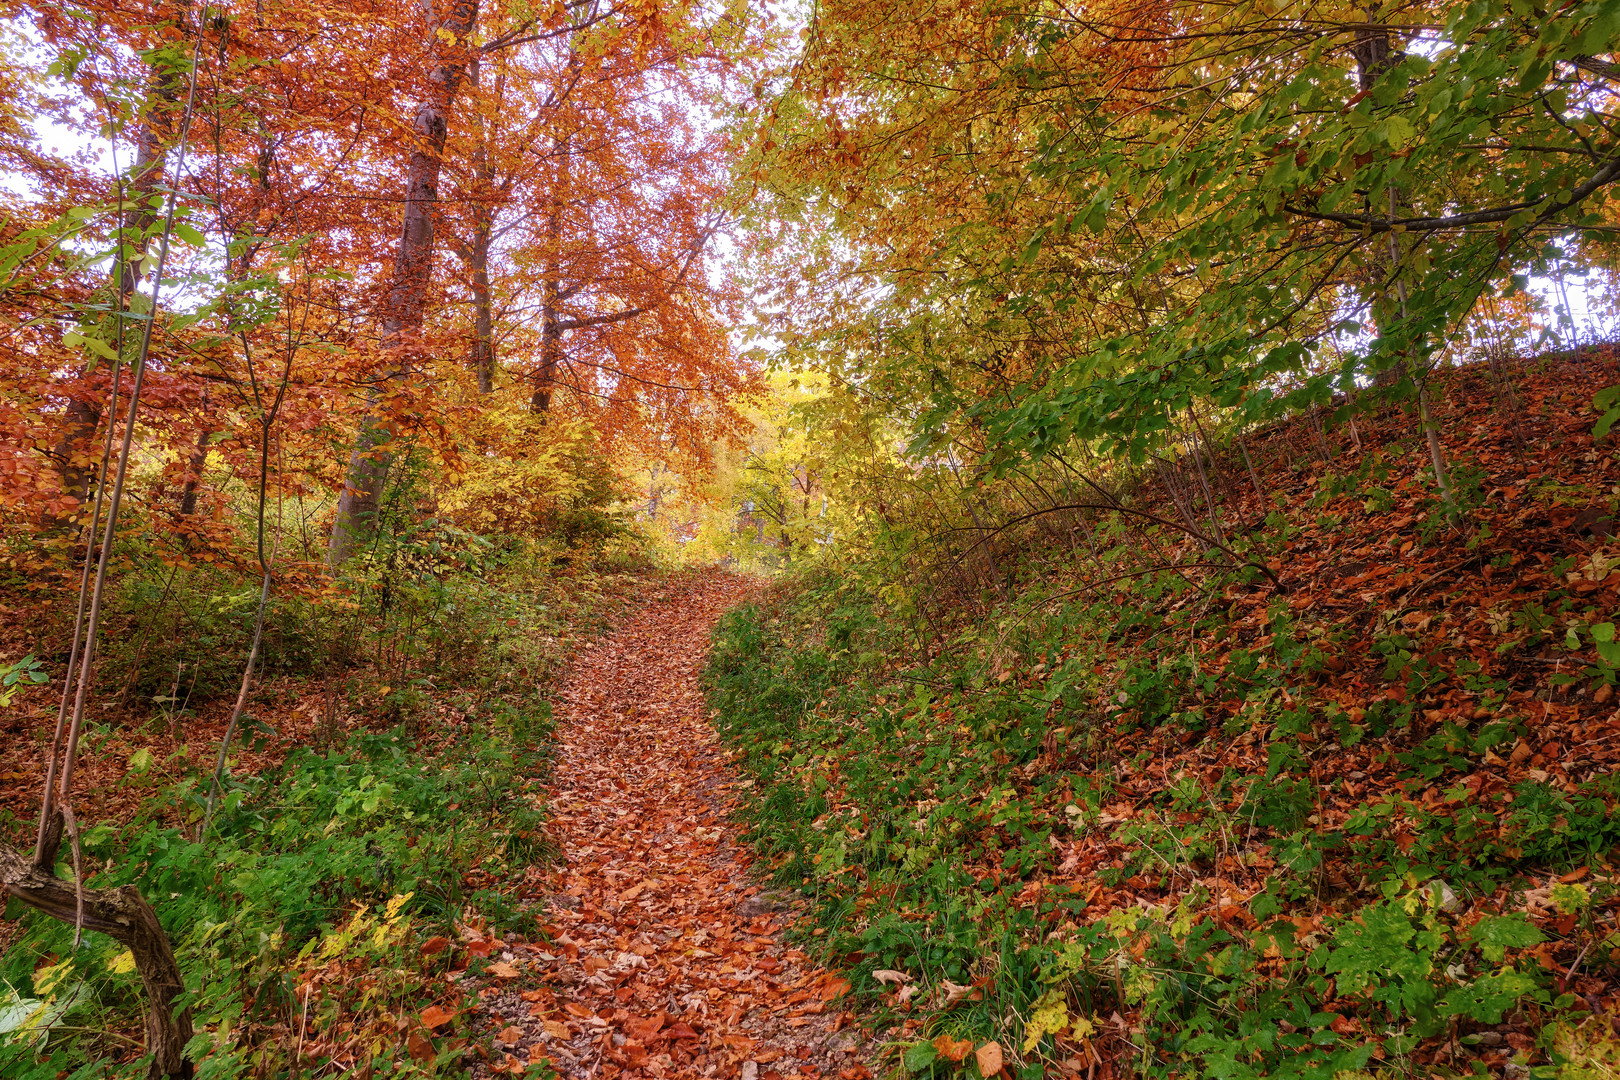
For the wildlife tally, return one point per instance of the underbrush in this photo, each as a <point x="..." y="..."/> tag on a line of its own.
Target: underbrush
<point x="310" y="921"/>
<point x="374" y="811"/>
<point x="1186" y="822"/>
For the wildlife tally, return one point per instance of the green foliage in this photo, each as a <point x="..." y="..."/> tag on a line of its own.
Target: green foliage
<point x="18" y="676"/>
<point x="906" y="800"/>
<point x="347" y="856"/>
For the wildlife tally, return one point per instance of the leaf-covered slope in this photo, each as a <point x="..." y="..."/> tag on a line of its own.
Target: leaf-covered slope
<point x="1189" y="822"/>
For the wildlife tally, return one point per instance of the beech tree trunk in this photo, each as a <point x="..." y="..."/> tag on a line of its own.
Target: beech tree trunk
<point x="1374" y="53"/>
<point x="76" y="452"/>
<point x="403" y="310"/>
<point x="551" y="329"/>
<point x="477" y="253"/>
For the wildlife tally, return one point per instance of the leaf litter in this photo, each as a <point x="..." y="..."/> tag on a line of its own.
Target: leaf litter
<point x="660" y="954"/>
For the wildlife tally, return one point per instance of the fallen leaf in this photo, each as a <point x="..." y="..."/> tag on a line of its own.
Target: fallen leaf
<point x="887" y="977"/>
<point x="988" y="1058"/>
<point x="502" y="970"/>
<point x="511" y="1035"/>
<point x="952" y="1050"/>
<point x="420" y="1049"/>
<point x="434" y="945"/>
<point x="555" y="1028"/>
<point x="436" y="1016"/>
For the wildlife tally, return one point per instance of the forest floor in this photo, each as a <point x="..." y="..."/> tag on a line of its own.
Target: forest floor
<point x="1115" y="815"/>
<point x="661" y="955"/>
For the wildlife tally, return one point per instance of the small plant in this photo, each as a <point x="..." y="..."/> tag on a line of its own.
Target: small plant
<point x="19" y="676"/>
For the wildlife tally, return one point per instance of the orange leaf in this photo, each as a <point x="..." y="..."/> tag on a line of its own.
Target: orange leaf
<point x="555" y="1028"/>
<point x="834" y="988"/>
<point x="952" y="1050"/>
<point x="435" y="1016"/>
<point x="511" y="1035"/>
<point x="434" y="945"/>
<point x="988" y="1058"/>
<point x="502" y="970"/>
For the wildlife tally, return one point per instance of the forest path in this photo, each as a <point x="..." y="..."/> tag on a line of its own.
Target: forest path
<point x="665" y="961"/>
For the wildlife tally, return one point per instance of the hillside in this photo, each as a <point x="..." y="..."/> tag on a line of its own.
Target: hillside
<point x="1145" y="813"/>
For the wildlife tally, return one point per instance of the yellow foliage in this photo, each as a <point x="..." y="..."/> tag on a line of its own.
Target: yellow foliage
<point x="516" y="473"/>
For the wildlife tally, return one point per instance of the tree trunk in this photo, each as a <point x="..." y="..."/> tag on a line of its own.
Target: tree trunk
<point x="403" y="310"/>
<point x="551" y="314"/>
<point x="76" y="452"/>
<point x="192" y="486"/>
<point x="1374" y="55"/>
<point x="125" y="916"/>
<point x="483" y="352"/>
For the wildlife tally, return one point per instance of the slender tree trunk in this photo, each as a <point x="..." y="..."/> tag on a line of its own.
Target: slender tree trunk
<point x="551" y="313"/>
<point x="1374" y="53"/>
<point x="483" y="351"/>
<point x="403" y="311"/>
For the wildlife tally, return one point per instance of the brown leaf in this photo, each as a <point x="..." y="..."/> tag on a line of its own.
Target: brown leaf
<point x="555" y="1028"/>
<point x="437" y="1016"/>
<point x="502" y="970"/>
<point x="952" y="1050"/>
<point x="434" y="945"/>
<point x="420" y="1049"/>
<point x="511" y="1035"/>
<point x="988" y="1058"/>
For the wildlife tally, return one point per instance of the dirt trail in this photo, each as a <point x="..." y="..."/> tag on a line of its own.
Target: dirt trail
<point x="668" y="961"/>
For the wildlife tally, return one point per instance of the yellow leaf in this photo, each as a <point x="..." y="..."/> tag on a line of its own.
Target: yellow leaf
<point x="1050" y="1017"/>
<point x="122" y="964"/>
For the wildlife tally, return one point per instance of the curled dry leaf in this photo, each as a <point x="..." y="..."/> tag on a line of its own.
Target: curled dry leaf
<point x="898" y="978"/>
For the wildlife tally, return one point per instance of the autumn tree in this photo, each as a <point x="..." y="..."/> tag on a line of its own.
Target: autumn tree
<point x="1045" y="226"/>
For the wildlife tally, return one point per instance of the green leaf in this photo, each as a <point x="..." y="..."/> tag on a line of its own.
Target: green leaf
<point x="1494" y="935"/>
<point x="190" y="234"/>
<point x="921" y="1056"/>
<point x="77" y="339"/>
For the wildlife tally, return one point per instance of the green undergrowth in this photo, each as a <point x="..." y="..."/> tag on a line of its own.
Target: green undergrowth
<point x="1073" y="838"/>
<point x="327" y="874"/>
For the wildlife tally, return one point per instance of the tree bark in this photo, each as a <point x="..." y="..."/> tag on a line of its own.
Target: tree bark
<point x="76" y="451"/>
<point x="124" y="915"/>
<point x="403" y="310"/>
<point x="551" y="312"/>
<point x="483" y="352"/>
